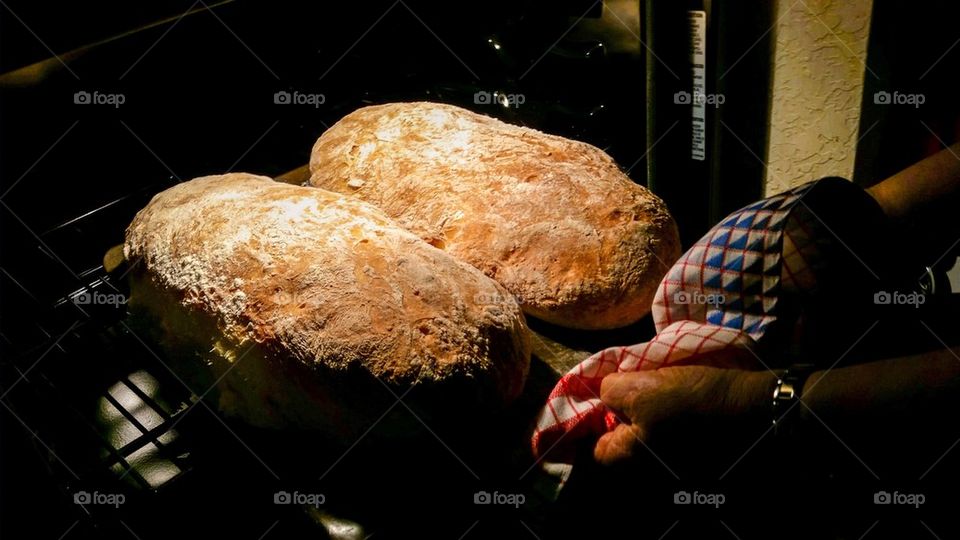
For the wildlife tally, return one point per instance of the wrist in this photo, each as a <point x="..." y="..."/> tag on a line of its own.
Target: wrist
<point x="751" y="392"/>
<point x="787" y="395"/>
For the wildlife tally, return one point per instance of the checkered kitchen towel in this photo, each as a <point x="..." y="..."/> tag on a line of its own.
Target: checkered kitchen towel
<point x="722" y="296"/>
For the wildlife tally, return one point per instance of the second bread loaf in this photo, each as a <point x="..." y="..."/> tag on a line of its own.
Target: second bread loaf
<point x="553" y="220"/>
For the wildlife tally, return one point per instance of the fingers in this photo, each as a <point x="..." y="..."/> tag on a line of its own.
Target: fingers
<point x="618" y="445"/>
<point x="616" y="391"/>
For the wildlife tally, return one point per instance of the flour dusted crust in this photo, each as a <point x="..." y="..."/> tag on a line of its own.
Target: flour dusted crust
<point x="293" y="294"/>
<point x="553" y="220"/>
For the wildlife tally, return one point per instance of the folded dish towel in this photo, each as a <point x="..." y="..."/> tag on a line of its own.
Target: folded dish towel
<point x="574" y="412"/>
<point x="725" y="293"/>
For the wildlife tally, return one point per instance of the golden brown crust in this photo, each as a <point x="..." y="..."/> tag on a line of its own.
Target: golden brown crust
<point x="325" y="283"/>
<point x="553" y="220"/>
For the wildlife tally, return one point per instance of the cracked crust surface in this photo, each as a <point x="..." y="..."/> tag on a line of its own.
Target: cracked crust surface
<point x="317" y="285"/>
<point x="555" y="221"/>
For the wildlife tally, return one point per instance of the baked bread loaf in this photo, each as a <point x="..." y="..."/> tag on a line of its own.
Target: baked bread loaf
<point x="292" y="301"/>
<point x="553" y="220"/>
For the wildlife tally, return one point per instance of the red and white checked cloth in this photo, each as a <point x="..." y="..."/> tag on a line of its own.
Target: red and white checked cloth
<point x="574" y="410"/>
<point x="722" y="295"/>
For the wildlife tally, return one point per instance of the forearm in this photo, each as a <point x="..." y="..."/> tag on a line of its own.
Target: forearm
<point x="897" y="395"/>
<point x="909" y="193"/>
<point x="888" y="388"/>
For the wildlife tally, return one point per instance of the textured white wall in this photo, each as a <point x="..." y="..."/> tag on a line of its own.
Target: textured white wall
<point x="817" y="84"/>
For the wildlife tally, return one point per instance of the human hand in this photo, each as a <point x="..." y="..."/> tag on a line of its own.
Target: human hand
<point x="655" y="404"/>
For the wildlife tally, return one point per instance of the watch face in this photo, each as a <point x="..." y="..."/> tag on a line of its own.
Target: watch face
<point x="788" y="390"/>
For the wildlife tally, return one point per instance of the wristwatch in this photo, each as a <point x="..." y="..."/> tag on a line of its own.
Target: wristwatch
<point x="786" y="395"/>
